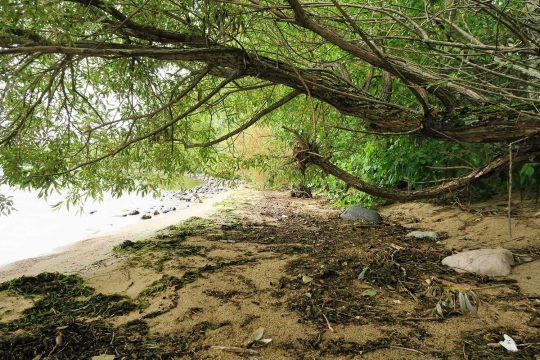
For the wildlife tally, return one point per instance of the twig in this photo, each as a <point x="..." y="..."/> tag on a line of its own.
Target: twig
<point x="405" y="348"/>
<point x="328" y="323"/>
<point x="421" y="319"/>
<point x="235" y="350"/>
<point x="510" y="190"/>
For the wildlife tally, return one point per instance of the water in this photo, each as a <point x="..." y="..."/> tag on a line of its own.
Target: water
<point x="36" y="229"/>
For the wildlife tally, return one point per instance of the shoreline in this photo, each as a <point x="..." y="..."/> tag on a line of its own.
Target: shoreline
<point x="86" y="255"/>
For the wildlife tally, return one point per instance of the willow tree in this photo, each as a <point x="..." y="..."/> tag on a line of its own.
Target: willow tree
<point x="98" y="92"/>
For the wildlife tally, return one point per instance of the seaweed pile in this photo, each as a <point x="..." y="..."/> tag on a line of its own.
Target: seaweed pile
<point x="70" y="321"/>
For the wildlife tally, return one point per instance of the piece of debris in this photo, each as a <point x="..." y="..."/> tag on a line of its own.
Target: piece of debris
<point x="361" y="214"/>
<point x="256" y="339"/>
<point x="508" y="343"/>
<point x="261" y="343"/>
<point x="457" y="302"/>
<point x="488" y="262"/>
<point x="306" y="279"/>
<point x="146" y="217"/>
<point x="134" y="212"/>
<point x="423" y="235"/>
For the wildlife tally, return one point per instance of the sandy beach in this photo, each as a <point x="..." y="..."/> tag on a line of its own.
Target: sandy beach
<point x="289" y="269"/>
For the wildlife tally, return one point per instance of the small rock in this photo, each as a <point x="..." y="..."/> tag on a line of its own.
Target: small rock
<point x="362" y="214"/>
<point x="146" y="217"/>
<point x="134" y="212"/>
<point x="488" y="262"/>
<point x="429" y="235"/>
<point x="156" y="212"/>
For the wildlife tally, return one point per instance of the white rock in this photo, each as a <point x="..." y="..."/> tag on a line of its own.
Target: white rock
<point x="489" y="262"/>
<point x="431" y="235"/>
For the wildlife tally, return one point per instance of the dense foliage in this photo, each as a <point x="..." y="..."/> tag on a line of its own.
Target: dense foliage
<point x="113" y="96"/>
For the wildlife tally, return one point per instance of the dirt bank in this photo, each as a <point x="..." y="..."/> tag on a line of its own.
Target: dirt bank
<point x="321" y="288"/>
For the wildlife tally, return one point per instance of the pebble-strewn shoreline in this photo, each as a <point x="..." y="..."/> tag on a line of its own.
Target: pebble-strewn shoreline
<point x="172" y="200"/>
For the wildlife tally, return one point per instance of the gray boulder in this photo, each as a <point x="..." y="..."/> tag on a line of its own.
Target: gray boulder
<point x="488" y="262"/>
<point x="357" y="213"/>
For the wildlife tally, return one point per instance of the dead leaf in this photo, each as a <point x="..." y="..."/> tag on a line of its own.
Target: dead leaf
<point x="257" y="335"/>
<point x="369" y="292"/>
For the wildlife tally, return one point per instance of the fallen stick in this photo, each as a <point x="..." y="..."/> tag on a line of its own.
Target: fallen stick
<point x="235" y="349"/>
<point x="405" y="348"/>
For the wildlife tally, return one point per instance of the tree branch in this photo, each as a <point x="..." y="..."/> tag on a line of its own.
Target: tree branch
<point x="389" y="193"/>
<point x="248" y="124"/>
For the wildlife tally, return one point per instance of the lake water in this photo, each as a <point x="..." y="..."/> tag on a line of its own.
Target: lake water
<point x="37" y="229"/>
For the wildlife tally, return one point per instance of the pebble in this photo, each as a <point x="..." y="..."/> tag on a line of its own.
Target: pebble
<point x="197" y="194"/>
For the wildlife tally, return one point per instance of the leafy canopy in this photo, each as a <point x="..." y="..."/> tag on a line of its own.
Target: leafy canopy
<point x="104" y="95"/>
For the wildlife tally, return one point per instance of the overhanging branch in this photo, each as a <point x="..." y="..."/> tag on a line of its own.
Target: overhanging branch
<point x="312" y="157"/>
